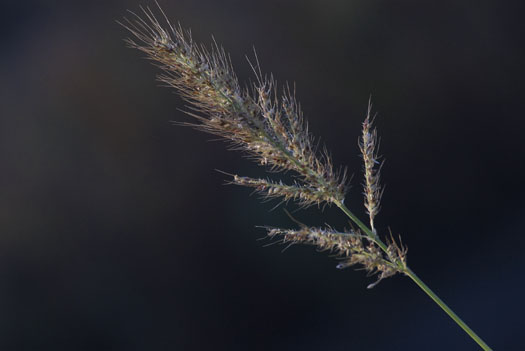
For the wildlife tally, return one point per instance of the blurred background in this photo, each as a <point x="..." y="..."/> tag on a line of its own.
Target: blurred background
<point x="116" y="233"/>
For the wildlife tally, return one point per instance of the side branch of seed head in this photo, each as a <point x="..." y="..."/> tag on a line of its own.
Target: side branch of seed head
<point x="303" y="195"/>
<point x="372" y="166"/>
<point x="255" y="120"/>
<point x="352" y="247"/>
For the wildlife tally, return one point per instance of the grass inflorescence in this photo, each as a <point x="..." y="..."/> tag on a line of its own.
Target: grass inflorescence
<point x="267" y="124"/>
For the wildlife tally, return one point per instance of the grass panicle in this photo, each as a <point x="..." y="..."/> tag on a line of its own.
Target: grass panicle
<point x="269" y="127"/>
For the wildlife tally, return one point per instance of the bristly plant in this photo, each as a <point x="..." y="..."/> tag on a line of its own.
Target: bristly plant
<point x="272" y="131"/>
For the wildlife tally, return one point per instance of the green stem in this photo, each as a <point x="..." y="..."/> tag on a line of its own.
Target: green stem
<point x="416" y="279"/>
<point x="362" y="226"/>
<point x="447" y="309"/>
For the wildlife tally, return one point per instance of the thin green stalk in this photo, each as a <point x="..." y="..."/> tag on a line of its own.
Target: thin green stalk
<point x="361" y="225"/>
<point x="447" y="309"/>
<point x="417" y="280"/>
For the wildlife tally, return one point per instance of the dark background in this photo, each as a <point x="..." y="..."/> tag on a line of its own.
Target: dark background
<point x="116" y="233"/>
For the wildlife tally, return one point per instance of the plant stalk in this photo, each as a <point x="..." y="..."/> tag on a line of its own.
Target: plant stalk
<point x="447" y="309"/>
<point x="417" y="280"/>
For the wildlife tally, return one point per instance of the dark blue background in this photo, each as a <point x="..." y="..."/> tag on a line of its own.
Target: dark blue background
<point x="116" y="233"/>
